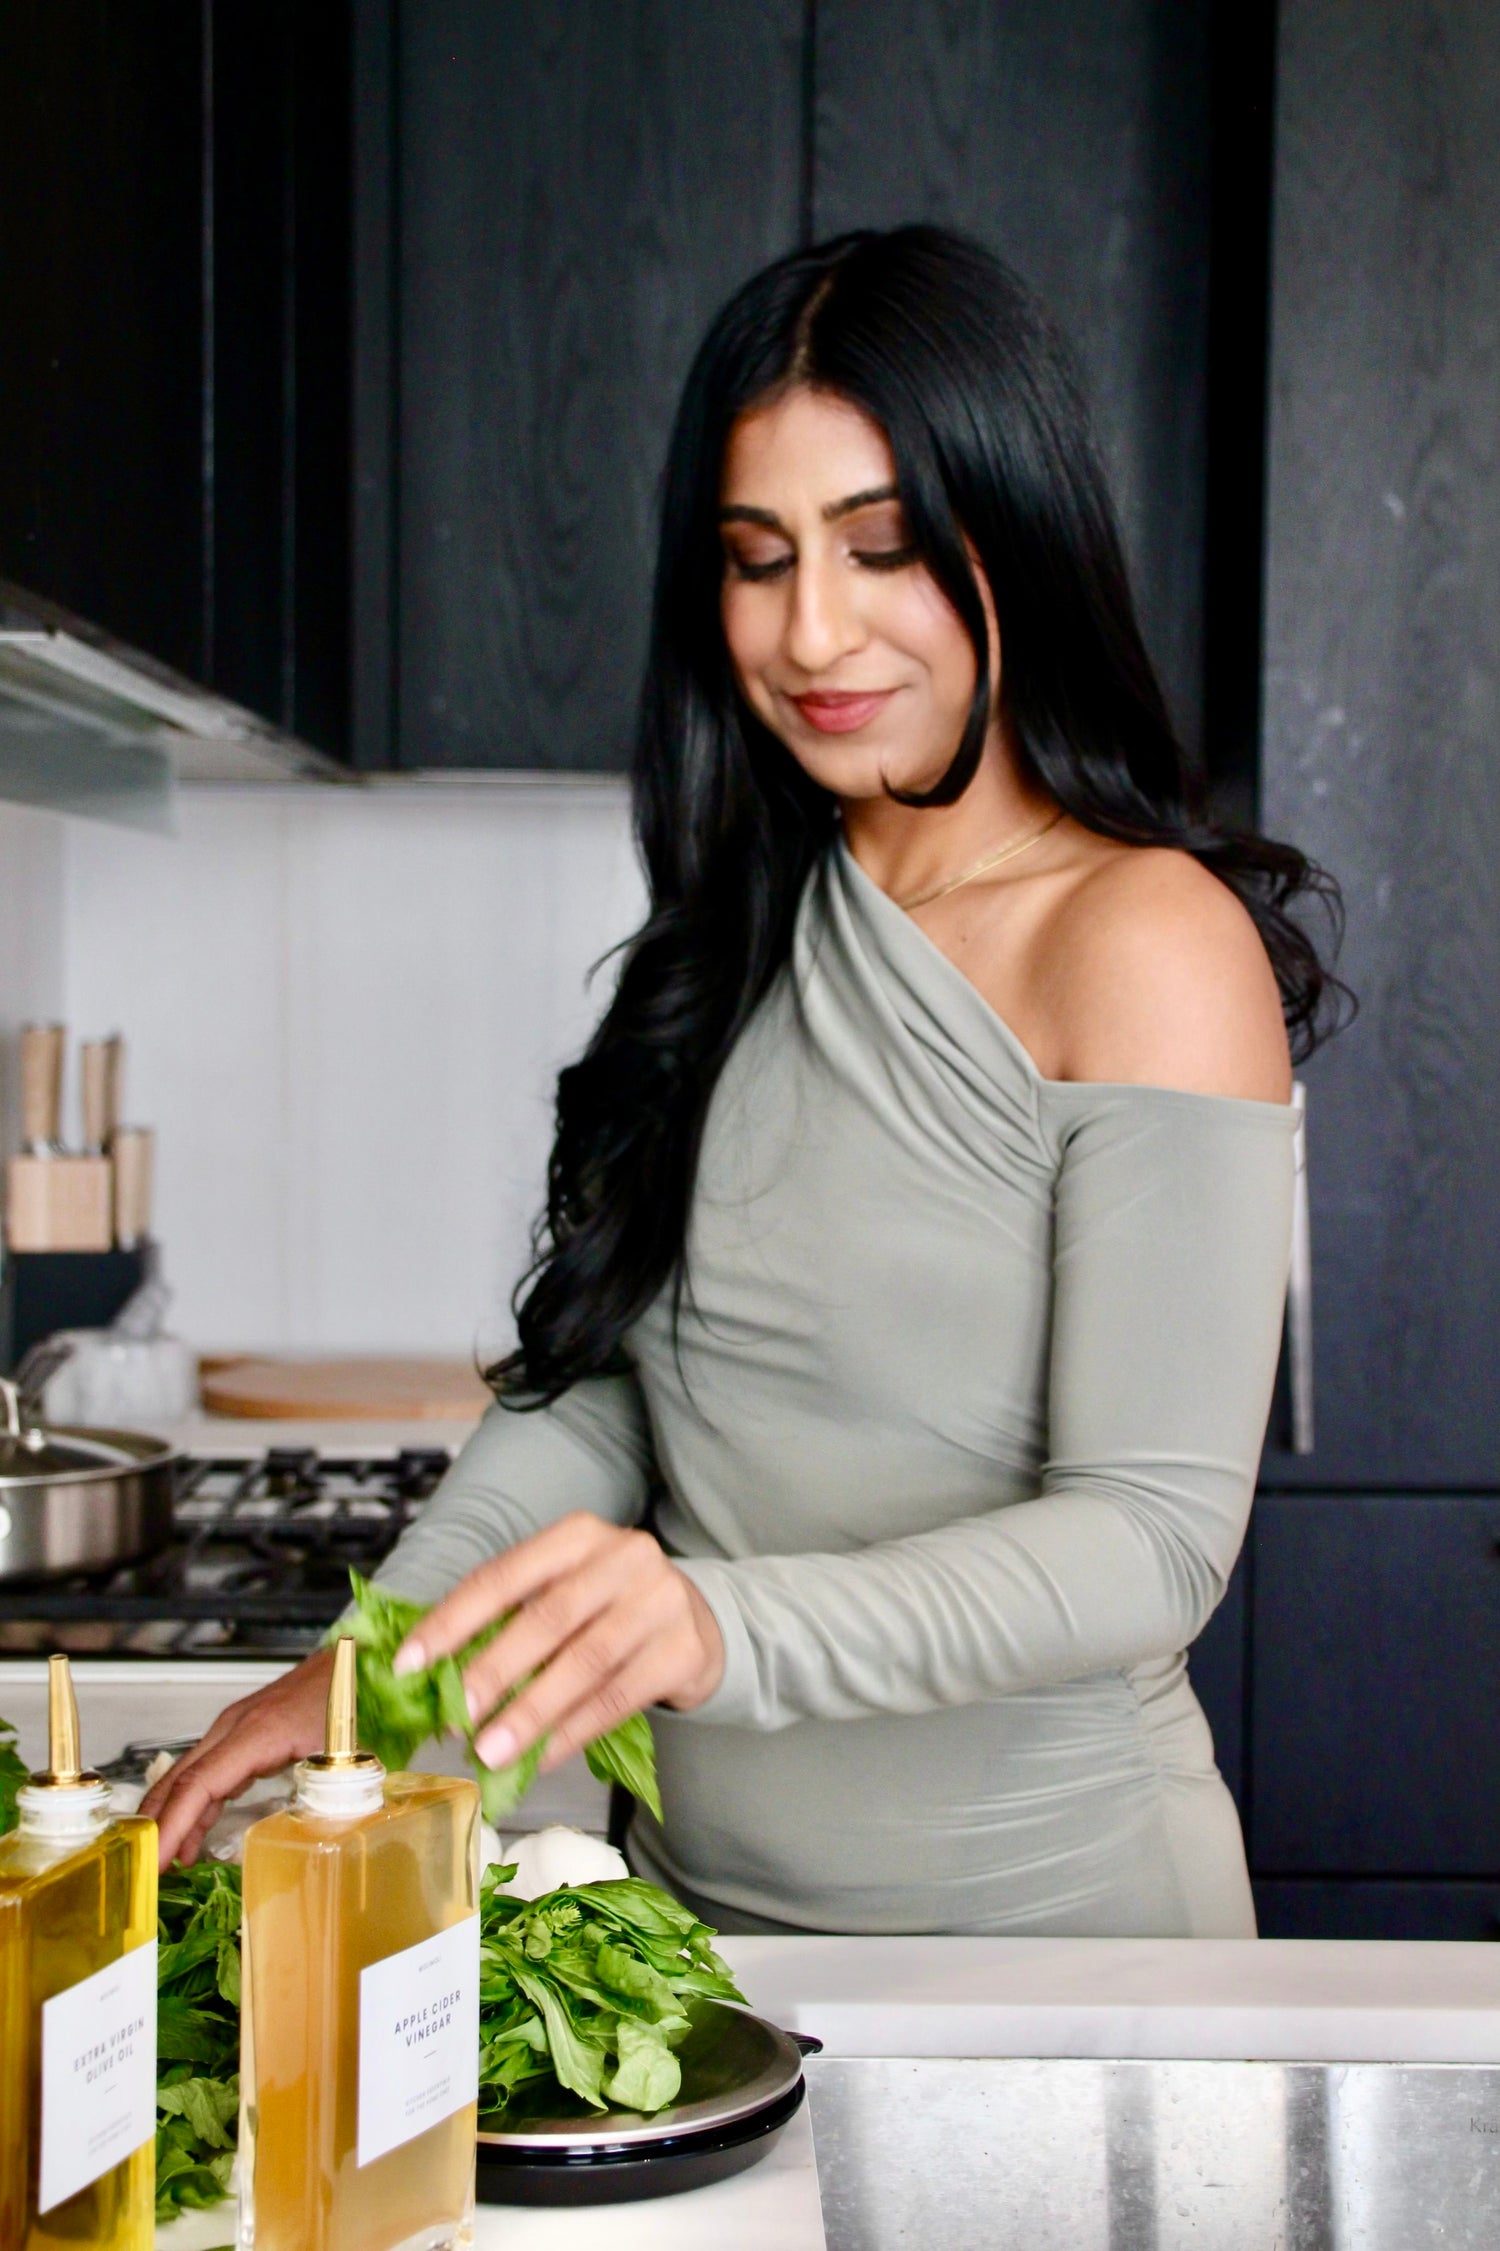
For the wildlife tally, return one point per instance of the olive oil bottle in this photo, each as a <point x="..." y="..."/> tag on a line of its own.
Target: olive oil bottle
<point x="77" y="2009"/>
<point x="359" y="2042"/>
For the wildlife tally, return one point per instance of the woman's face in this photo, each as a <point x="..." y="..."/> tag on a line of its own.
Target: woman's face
<point x="843" y="643"/>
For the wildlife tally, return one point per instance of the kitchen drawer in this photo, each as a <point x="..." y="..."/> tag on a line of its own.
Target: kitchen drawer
<point x="1376" y="1638"/>
<point x="1319" y="1907"/>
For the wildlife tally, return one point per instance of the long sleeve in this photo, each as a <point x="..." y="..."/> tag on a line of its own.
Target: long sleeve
<point x="1170" y="1238"/>
<point x="591" y="1449"/>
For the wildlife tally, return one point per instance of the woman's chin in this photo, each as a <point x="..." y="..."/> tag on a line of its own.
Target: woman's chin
<point x="850" y="768"/>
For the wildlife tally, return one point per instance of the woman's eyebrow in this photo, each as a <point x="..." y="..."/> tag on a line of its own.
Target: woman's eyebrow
<point x="837" y="508"/>
<point x="737" y="513"/>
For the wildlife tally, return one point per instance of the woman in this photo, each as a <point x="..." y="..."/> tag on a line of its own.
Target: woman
<point x="918" y="1216"/>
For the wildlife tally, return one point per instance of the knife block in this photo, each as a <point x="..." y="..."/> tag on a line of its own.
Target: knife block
<point x="58" y="1203"/>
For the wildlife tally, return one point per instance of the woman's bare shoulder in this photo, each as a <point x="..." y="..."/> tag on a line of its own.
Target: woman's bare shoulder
<point x="1157" y="976"/>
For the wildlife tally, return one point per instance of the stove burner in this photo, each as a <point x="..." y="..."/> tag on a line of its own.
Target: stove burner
<point x="259" y="1566"/>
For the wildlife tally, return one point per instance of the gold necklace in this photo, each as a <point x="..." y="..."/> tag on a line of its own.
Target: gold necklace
<point x="1011" y="851"/>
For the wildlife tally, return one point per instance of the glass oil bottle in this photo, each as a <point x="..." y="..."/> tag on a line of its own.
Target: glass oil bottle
<point x="359" y="2053"/>
<point x="77" y="2008"/>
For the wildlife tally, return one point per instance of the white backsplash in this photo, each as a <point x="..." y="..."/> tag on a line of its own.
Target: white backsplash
<point x="32" y="847"/>
<point x="344" y="1013"/>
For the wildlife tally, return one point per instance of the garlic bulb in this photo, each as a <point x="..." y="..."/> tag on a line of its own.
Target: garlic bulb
<point x="558" y="1856"/>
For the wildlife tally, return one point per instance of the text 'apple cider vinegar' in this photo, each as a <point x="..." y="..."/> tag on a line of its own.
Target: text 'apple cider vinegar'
<point x="77" y="2008"/>
<point x="359" y="2051"/>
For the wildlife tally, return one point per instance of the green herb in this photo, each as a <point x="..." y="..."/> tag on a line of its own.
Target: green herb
<point x="197" y="2036"/>
<point x="397" y="1713"/>
<point x="587" y="1988"/>
<point x="12" y="1775"/>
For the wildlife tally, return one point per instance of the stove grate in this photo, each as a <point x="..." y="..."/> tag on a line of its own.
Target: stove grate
<point x="259" y="1565"/>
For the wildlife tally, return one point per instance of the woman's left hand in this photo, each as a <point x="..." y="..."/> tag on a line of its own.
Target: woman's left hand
<point x="605" y="1622"/>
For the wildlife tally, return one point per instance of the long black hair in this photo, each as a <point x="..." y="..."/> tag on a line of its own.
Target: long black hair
<point x="956" y="361"/>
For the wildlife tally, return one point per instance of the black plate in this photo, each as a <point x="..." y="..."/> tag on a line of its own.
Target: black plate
<point x="620" y="2175"/>
<point x="741" y="2082"/>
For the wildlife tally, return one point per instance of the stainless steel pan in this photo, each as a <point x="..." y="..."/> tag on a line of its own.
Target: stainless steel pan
<point x="78" y="1500"/>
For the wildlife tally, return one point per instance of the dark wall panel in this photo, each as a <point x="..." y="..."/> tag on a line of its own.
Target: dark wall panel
<point x="1075" y="142"/>
<point x="1382" y="704"/>
<point x="579" y="188"/>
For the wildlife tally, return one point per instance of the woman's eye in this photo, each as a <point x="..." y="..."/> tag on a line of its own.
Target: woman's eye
<point x="773" y="566"/>
<point x="885" y="558"/>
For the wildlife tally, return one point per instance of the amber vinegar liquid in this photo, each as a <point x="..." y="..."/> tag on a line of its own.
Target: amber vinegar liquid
<point x="68" y="1908"/>
<point x="324" y="1899"/>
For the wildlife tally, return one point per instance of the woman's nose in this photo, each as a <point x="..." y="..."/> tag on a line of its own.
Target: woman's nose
<point x="823" y="623"/>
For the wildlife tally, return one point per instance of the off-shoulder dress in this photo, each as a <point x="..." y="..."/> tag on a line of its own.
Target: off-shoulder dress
<point x="958" y="1440"/>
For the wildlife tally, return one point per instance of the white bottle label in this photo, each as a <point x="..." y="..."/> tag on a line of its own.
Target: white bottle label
<point x="418" y="2038"/>
<point x="98" y="2074"/>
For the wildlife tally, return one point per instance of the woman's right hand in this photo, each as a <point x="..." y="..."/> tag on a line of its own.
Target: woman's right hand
<point x="259" y="1735"/>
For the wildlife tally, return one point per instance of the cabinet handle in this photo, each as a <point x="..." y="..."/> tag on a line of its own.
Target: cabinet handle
<point x="1299" y="1317"/>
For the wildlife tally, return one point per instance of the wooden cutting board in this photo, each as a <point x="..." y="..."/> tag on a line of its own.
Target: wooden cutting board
<point x="354" y="1390"/>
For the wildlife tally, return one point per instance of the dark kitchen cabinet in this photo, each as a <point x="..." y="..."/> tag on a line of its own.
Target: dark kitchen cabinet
<point x="550" y="204"/>
<point x="577" y="189"/>
<point x="1376" y="1636"/>
<point x="1382" y="703"/>
<point x="1076" y="145"/>
<point x="1323" y="1908"/>
<point x="175" y="346"/>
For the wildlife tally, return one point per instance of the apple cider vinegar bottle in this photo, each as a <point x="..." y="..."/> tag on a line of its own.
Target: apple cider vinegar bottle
<point x="77" y="2008"/>
<point x="359" y="2055"/>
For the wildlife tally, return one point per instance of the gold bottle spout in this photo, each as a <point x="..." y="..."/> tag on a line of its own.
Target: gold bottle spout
<point x="65" y="1769"/>
<point x="341" y="1729"/>
<point x="341" y="1753"/>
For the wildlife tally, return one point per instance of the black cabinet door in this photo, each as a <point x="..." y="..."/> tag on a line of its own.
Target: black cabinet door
<point x="1376" y="1660"/>
<point x="578" y="189"/>
<point x="101" y="315"/>
<point x="1075" y="143"/>
<point x="1318" y="1908"/>
<point x="1382" y="689"/>
<point x="174" y="336"/>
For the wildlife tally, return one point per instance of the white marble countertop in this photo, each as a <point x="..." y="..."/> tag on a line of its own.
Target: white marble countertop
<point x="1266" y="2000"/>
<point x="1273" y="2000"/>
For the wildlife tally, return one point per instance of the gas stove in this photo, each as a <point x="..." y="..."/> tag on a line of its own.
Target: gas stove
<point x="258" y="1566"/>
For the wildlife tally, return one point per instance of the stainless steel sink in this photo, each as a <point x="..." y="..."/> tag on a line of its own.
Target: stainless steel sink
<point x="978" y="2154"/>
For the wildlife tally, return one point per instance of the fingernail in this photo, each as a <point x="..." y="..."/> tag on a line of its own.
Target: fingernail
<point x="476" y="1708"/>
<point x="497" y="1748"/>
<point x="409" y="1658"/>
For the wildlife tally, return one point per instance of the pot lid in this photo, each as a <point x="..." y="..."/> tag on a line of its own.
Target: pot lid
<point x="32" y="1454"/>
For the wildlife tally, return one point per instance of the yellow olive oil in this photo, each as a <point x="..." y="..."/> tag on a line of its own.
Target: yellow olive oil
<point x="360" y="1941"/>
<point x="77" y="2014"/>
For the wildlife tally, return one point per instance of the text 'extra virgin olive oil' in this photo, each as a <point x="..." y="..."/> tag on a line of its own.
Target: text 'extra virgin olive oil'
<point x="77" y="2009"/>
<point x="359" y="2048"/>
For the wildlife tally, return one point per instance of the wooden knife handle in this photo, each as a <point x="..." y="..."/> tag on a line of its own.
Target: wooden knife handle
<point x="42" y="1047"/>
<point x="134" y="1155"/>
<point x="101" y="1093"/>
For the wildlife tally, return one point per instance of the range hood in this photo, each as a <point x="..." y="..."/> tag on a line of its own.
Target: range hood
<point x="89" y="725"/>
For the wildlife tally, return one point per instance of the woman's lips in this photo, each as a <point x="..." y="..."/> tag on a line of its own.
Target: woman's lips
<point x="840" y="712"/>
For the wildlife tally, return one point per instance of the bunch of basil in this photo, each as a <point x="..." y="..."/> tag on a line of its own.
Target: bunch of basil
<point x="197" y="2035"/>
<point x="588" y="1988"/>
<point x="398" y="1712"/>
<point x="12" y="1776"/>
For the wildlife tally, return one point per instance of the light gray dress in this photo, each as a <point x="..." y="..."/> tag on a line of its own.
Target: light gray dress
<point x="960" y="1447"/>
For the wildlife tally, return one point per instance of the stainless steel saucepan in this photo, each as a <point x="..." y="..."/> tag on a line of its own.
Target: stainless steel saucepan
<point x="78" y="1500"/>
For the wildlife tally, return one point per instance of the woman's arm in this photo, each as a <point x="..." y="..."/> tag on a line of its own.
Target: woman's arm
<point x="589" y="1452"/>
<point x="1172" y="1232"/>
